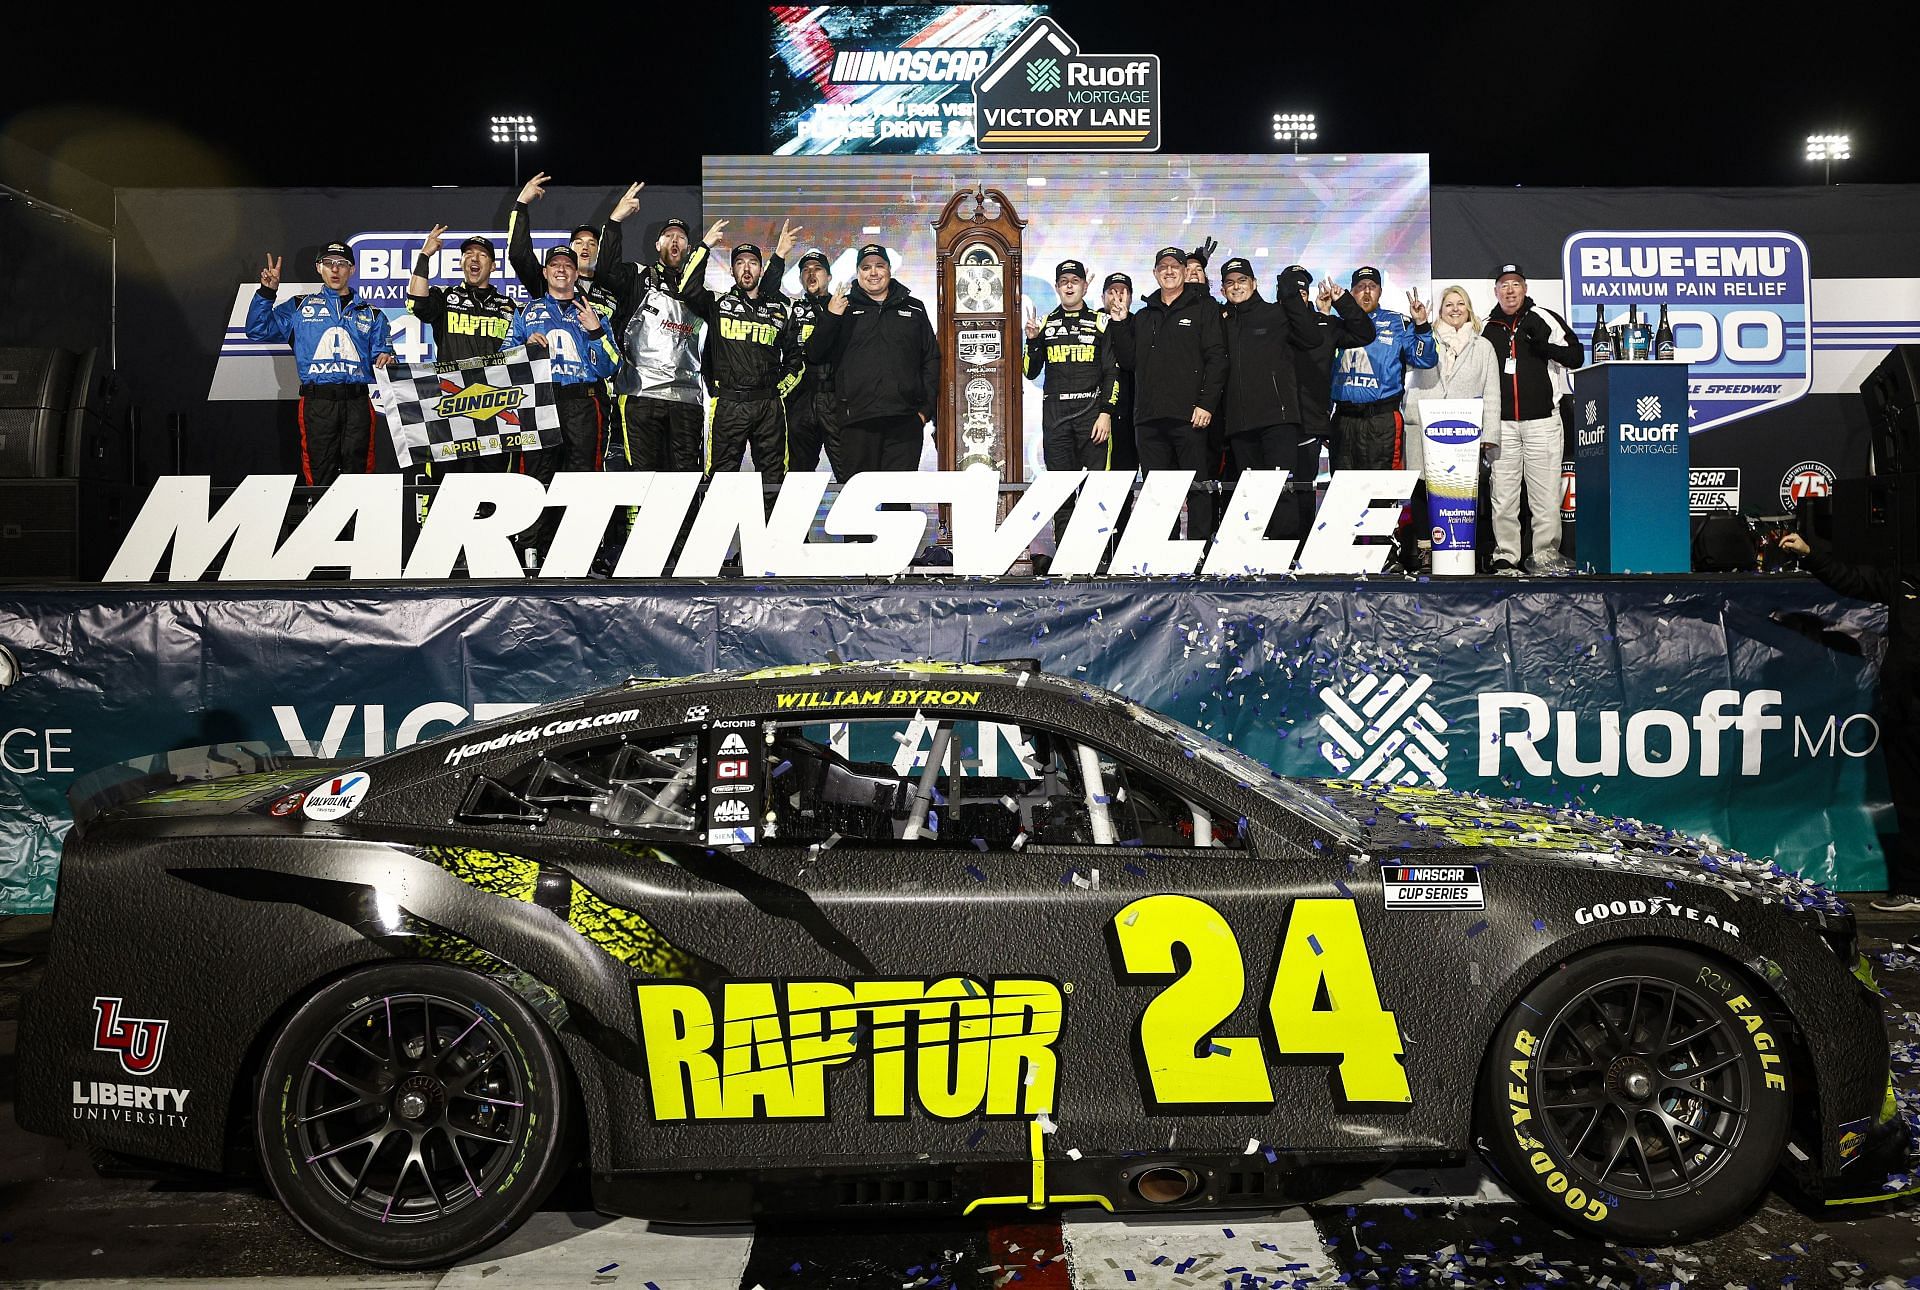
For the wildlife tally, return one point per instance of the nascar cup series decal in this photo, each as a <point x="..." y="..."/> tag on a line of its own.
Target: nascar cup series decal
<point x="1432" y="886"/>
<point x="337" y="797"/>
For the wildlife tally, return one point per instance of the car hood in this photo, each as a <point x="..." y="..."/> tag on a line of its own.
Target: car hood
<point x="1396" y="817"/>
<point x="215" y="779"/>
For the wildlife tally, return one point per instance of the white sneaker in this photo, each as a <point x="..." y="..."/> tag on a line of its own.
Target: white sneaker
<point x="1896" y="902"/>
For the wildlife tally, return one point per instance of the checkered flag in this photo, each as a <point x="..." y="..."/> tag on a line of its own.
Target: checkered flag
<point x="478" y="407"/>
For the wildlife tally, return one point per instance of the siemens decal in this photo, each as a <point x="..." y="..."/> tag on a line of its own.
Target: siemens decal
<point x="1725" y="736"/>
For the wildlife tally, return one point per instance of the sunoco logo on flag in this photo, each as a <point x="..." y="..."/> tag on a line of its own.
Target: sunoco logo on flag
<point x="477" y="408"/>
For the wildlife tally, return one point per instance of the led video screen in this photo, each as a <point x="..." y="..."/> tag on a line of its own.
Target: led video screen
<point x="882" y="78"/>
<point x="1329" y="213"/>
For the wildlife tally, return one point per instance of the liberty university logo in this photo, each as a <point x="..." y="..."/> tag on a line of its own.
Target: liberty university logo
<point x="1043" y="75"/>
<point x="1385" y="732"/>
<point x="138" y="1043"/>
<point x="1649" y="407"/>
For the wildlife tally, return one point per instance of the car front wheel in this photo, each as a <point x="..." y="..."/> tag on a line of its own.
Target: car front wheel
<point x="1638" y="1094"/>
<point x="412" y="1114"/>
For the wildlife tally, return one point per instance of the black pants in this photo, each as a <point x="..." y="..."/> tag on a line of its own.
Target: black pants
<point x="1066" y="443"/>
<point x="881" y="443"/>
<point x="1176" y="444"/>
<point x="1368" y="436"/>
<point x="583" y="432"/>
<point x="336" y="433"/>
<point x="813" y="423"/>
<point x="657" y="434"/>
<point x="1306" y="472"/>
<point x="758" y="424"/>
<point x="1900" y="745"/>
<point x="1271" y="448"/>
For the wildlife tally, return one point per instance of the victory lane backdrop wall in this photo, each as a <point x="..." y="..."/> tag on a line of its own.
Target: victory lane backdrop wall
<point x="1736" y="709"/>
<point x="189" y="257"/>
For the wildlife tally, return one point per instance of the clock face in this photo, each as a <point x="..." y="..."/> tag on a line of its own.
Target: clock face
<point x="978" y="289"/>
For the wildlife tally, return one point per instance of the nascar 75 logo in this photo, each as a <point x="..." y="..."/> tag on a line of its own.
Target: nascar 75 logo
<point x="138" y="1042"/>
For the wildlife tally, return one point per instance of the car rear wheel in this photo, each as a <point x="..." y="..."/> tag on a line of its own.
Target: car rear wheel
<point x="412" y="1114"/>
<point x="1638" y="1094"/>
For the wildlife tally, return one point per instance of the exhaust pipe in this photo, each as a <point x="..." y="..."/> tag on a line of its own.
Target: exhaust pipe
<point x="1166" y="1184"/>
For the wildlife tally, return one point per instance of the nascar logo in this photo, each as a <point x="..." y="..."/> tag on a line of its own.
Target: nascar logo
<point x="479" y="402"/>
<point x="909" y="66"/>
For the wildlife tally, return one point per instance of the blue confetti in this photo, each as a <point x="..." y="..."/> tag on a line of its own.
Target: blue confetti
<point x="1342" y="888"/>
<point x="978" y="1134"/>
<point x="1539" y="924"/>
<point x="610" y="1267"/>
<point x="977" y="872"/>
<point x="1477" y="928"/>
<point x="1315" y="942"/>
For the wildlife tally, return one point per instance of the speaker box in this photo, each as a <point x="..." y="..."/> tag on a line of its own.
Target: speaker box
<point x="99" y="430"/>
<point x="61" y="530"/>
<point x="1893" y="420"/>
<point x="1877" y="521"/>
<point x="1723" y="543"/>
<point x="29" y="443"/>
<point x="35" y="378"/>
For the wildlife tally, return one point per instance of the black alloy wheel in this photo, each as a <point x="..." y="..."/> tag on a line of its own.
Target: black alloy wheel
<point x="412" y="1114"/>
<point x="1638" y="1093"/>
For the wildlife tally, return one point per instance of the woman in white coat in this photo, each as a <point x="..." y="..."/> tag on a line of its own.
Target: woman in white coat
<point x="1468" y="369"/>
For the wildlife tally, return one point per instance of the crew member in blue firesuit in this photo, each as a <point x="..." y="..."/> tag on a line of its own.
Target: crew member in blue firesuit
<point x="338" y="339"/>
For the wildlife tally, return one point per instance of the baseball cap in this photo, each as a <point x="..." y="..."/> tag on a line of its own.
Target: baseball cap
<point x="484" y="243"/>
<point x="335" y="250"/>
<point x="555" y="252"/>
<point x="1069" y="267"/>
<point x="748" y="248"/>
<point x="583" y="228"/>
<point x="870" y="249"/>
<point x="677" y="222"/>
<point x="814" y="255"/>
<point x="1365" y="273"/>
<point x="1113" y="278"/>
<point x="1238" y="264"/>
<point x="1506" y="269"/>
<point x="1169" y="252"/>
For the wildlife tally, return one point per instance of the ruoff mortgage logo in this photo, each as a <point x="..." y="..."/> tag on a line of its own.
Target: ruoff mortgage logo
<point x="1385" y="731"/>
<point x="1649" y="407"/>
<point x="1647" y="433"/>
<point x="1043" y="95"/>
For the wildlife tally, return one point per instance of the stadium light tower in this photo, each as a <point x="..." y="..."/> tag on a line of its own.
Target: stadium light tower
<point x="1827" y="149"/>
<point x="515" y="130"/>
<point x="1292" y="127"/>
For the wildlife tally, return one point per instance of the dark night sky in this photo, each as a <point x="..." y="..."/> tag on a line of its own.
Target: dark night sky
<point x="1719" y="97"/>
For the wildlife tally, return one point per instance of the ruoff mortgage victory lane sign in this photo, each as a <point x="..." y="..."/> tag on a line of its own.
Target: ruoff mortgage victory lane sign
<point x="1043" y="95"/>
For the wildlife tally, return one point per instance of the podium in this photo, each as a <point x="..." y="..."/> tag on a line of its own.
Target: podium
<point x="1630" y="468"/>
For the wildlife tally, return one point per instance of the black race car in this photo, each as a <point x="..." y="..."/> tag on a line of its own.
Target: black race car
<point x="931" y="937"/>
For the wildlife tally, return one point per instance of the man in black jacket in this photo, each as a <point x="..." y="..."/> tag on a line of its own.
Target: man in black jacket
<point x="1071" y="349"/>
<point x="1899" y="708"/>
<point x="468" y="320"/>
<point x="886" y="367"/>
<point x="1536" y="348"/>
<point x="1174" y="347"/>
<point x="1266" y="341"/>
<point x="1117" y="294"/>
<point x="1338" y="323"/>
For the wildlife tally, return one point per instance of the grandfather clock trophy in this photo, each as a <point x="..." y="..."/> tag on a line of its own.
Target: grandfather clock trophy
<point x="982" y="348"/>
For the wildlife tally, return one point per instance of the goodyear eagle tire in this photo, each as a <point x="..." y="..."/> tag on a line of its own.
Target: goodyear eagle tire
<point x="1637" y="1094"/>
<point x="411" y="1114"/>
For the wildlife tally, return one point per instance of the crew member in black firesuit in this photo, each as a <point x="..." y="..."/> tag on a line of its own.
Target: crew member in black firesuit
<point x="1174" y="347"/>
<point x="1260" y="412"/>
<point x="813" y="418"/>
<point x="1070" y="346"/>
<point x="468" y="320"/>
<point x="886" y="366"/>
<point x="750" y="364"/>
<point x="531" y="270"/>
<point x="1899" y="707"/>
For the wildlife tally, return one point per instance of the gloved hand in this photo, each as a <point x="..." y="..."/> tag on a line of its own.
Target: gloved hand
<point x="1535" y="332"/>
<point x="1491" y="451"/>
<point x="1293" y="279"/>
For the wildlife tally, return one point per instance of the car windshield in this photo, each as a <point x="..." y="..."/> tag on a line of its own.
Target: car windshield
<point x="1251" y="774"/>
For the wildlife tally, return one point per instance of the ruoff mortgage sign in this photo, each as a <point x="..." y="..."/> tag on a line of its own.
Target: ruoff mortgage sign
<point x="1043" y="95"/>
